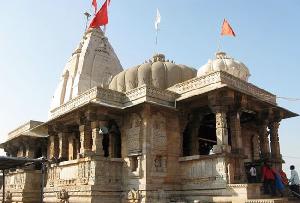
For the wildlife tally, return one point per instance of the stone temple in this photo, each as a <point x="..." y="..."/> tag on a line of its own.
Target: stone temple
<point x="158" y="132"/>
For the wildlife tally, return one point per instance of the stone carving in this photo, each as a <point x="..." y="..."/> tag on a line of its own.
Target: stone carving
<point x="62" y="196"/>
<point x="221" y="130"/>
<point x="133" y="134"/>
<point x="274" y="138"/>
<point x="159" y="134"/>
<point x="222" y="78"/>
<point x="16" y="181"/>
<point x="207" y="171"/>
<point x="160" y="164"/>
<point x="8" y="197"/>
<point x="134" y="196"/>
<point x="117" y="99"/>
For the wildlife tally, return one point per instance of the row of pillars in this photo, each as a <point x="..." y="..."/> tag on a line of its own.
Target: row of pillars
<point x="269" y="148"/>
<point x="24" y="148"/>
<point x="63" y="144"/>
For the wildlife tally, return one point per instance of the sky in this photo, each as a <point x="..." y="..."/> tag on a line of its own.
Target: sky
<point x="37" y="37"/>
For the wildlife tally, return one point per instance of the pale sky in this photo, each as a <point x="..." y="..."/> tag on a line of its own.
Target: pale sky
<point x="37" y="37"/>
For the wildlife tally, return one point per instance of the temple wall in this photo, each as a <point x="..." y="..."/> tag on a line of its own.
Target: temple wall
<point x="23" y="186"/>
<point x="85" y="180"/>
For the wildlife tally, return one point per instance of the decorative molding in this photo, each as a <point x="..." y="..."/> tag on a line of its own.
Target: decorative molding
<point x="247" y="88"/>
<point x="23" y="129"/>
<point x="117" y="99"/>
<point x="221" y="78"/>
<point x="144" y="93"/>
<point x="77" y="102"/>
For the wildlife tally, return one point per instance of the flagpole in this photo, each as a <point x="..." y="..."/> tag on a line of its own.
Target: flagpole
<point x="220" y="39"/>
<point x="104" y="28"/>
<point x="156" y="40"/>
<point x="157" y="23"/>
<point x="219" y="44"/>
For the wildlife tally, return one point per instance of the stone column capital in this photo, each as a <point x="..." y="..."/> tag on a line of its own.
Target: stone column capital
<point x="219" y="109"/>
<point x="94" y="124"/>
<point x="274" y="125"/>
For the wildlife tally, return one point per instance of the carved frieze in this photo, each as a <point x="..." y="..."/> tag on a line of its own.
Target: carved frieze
<point x="134" y="196"/>
<point x="219" y="79"/>
<point x="133" y="134"/>
<point x="159" y="133"/>
<point x="62" y="196"/>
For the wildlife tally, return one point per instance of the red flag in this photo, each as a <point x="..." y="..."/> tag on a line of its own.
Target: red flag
<point x="94" y="3"/>
<point x="226" y="29"/>
<point x="101" y="18"/>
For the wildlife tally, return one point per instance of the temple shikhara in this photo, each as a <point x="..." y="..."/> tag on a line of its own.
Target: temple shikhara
<point x="158" y="132"/>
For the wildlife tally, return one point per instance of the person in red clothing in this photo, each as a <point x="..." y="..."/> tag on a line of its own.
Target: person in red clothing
<point x="268" y="179"/>
<point x="284" y="178"/>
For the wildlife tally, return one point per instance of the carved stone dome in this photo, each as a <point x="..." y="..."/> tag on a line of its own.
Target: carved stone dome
<point x="156" y="72"/>
<point x="225" y="63"/>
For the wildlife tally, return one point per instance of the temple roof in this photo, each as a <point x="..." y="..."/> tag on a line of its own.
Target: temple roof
<point x="223" y="62"/>
<point x="29" y="129"/>
<point x="157" y="72"/>
<point x="14" y="162"/>
<point x="93" y="63"/>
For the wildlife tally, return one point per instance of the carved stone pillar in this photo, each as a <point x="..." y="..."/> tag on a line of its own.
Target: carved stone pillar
<point x="274" y="138"/>
<point x="194" y="141"/>
<point x="221" y="130"/>
<point x="255" y="141"/>
<point x="97" y="147"/>
<point x="236" y="134"/>
<point x="63" y="145"/>
<point x="264" y="140"/>
<point x="52" y="147"/>
<point x="72" y="147"/>
<point x="21" y="151"/>
<point x="85" y="139"/>
<point x="29" y="148"/>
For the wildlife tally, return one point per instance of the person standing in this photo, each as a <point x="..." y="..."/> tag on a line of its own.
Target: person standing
<point x="252" y="172"/>
<point x="278" y="182"/>
<point x="268" y="179"/>
<point x="294" y="180"/>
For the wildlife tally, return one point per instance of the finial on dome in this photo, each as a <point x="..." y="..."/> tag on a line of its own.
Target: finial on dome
<point x="221" y="55"/>
<point x="159" y="57"/>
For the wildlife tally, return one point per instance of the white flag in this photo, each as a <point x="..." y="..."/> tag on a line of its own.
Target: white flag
<point x="157" y="20"/>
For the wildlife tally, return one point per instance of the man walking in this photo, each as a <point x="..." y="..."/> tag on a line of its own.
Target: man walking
<point x="294" y="180"/>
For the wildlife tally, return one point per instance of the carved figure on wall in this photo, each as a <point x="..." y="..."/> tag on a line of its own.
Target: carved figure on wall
<point x="62" y="196"/>
<point x="134" y="196"/>
<point x="8" y="197"/>
<point x="133" y="133"/>
<point x="159" y="135"/>
<point x="159" y="164"/>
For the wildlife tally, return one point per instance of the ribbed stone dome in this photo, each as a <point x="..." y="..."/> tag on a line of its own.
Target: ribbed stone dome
<point x="225" y="63"/>
<point x="156" y="72"/>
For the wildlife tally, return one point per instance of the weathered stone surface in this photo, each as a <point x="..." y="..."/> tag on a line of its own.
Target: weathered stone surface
<point x="158" y="135"/>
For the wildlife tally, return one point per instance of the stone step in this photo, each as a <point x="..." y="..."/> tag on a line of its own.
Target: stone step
<point x="275" y="200"/>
